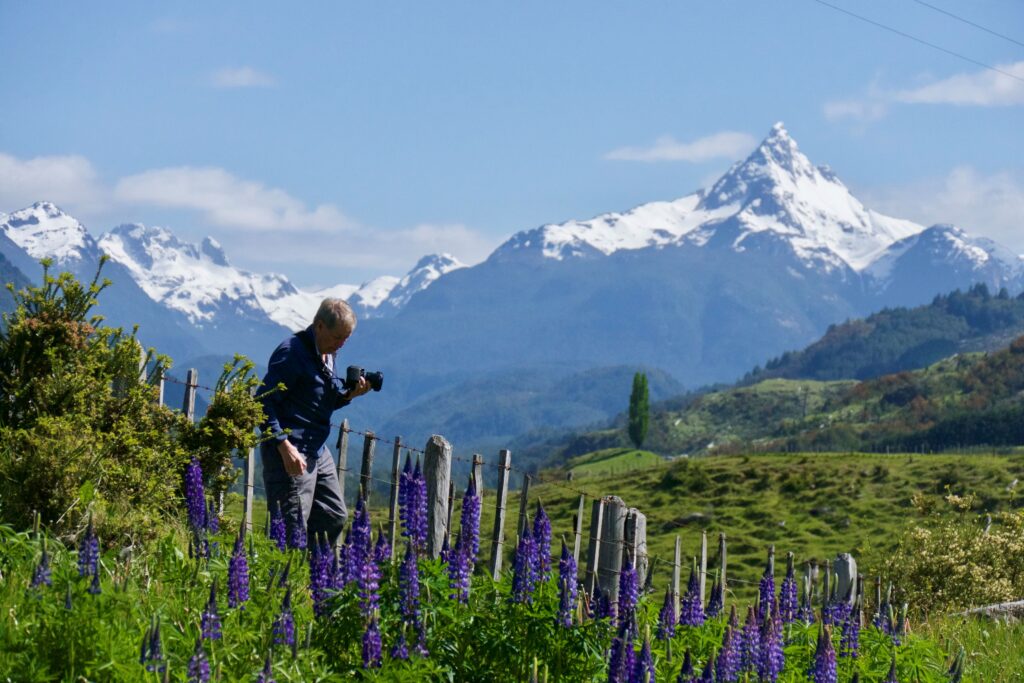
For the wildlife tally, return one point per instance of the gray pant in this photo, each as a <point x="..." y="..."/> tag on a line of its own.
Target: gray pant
<point x="313" y="499"/>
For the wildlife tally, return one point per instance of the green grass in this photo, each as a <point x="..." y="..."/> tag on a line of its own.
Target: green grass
<point x="613" y="460"/>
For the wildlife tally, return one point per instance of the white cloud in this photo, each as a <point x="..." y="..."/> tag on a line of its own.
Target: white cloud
<point x="980" y="89"/>
<point x="70" y="181"/>
<point x="727" y="144"/>
<point x="990" y="205"/>
<point x="984" y="88"/>
<point x="241" y="77"/>
<point x="227" y="201"/>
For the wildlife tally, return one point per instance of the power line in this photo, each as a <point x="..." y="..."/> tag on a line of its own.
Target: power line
<point x="920" y="40"/>
<point x="969" y="22"/>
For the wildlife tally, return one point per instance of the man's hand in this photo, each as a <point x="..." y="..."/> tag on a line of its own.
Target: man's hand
<point x="362" y="388"/>
<point x="294" y="462"/>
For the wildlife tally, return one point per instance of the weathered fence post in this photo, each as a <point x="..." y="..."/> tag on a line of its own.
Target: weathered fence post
<point x="578" y="531"/>
<point x="393" y="501"/>
<point x="478" y="477"/>
<point x="366" y="474"/>
<point x="722" y="563"/>
<point x="451" y="509"/>
<point x="702" y="579"/>
<point x="846" y="578"/>
<point x="188" y="405"/>
<point x="437" y="467"/>
<point x="342" y="448"/>
<point x="677" y="561"/>
<point x="594" y="543"/>
<point x="636" y="540"/>
<point x="524" y="495"/>
<point x="160" y="387"/>
<point x="827" y="595"/>
<point x="613" y="534"/>
<point x="498" y="536"/>
<point x="250" y="487"/>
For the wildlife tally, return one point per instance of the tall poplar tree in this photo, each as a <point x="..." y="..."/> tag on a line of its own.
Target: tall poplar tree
<point x="639" y="409"/>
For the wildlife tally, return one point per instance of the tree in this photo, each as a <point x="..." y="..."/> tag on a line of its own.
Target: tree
<point x="639" y="410"/>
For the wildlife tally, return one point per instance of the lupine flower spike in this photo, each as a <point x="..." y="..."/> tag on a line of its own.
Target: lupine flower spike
<point x="643" y="668"/>
<point x="750" y="642"/>
<point x="849" y="643"/>
<point x="94" y="585"/>
<point x="278" y="532"/>
<point x="715" y="601"/>
<point x="42" y="576"/>
<point x="267" y="674"/>
<point x="88" y="551"/>
<point x="372" y="645"/>
<point x="891" y="678"/>
<point x="708" y="674"/>
<point x="772" y="656"/>
<point x="686" y="670"/>
<point x="728" y="665"/>
<point x="823" y="669"/>
<point x="409" y="587"/>
<point x="667" y="618"/>
<point x="401" y="648"/>
<point x="524" y="577"/>
<point x="195" y="495"/>
<point x="629" y="594"/>
<point x="691" y="613"/>
<point x="152" y="656"/>
<point x="788" y="593"/>
<point x="284" y="625"/>
<point x="542" y="535"/>
<point x="238" y="574"/>
<point x="567" y="588"/>
<point x="469" y="522"/>
<point x="621" y="658"/>
<point x="198" y="664"/>
<point x="766" y="588"/>
<point x="210" y="620"/>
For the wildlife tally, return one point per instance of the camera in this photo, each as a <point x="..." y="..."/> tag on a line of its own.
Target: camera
<point x="354" y="372"/>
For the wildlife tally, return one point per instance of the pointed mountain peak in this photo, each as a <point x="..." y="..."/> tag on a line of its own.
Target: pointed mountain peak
<point x="443" y="262"/>
<point x="212" y="249"/>
<point x="43" y="230"/>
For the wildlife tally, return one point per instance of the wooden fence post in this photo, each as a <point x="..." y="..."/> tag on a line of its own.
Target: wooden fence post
<point x="451" y="509"/>
<point x="437" y="465"/>
<point x="677" y="561"/>
<point x="393" y="502"/>
<point x="578" y="531"/>
<point x="250" y="487"/>
<point x="613" y="534"/>
<point x="498" y="536"/>
<point x="594" y="543"/>
<point x="188" y="405"/>
<point x="160" y="388"/>
<point x="722" y="564"/>
<point x="827" y="595"/>
<point x="478" y="477"/>
<point x="366" y="474"/>
<point x="342" y="448"/>
<point x="703" y="578"/>
<point x="636" y="541"/>
<point x="846" y="578"/>
<point x="524" y="495"/>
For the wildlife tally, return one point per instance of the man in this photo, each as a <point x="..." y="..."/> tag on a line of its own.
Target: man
<point x="298" y="470"/>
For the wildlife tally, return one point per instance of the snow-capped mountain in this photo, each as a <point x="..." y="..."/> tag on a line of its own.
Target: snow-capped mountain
<point x="392" y="294"/>
<point x="776" y="191"/>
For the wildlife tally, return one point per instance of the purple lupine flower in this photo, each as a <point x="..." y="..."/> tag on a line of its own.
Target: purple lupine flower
<point x="382" y="549"/>
<point x="418" y="505"/>
<point x="212" y="518"/>
<point x="460" y="570"/>
<point x="715" y="602"/>
<point x="542" y="536"/>
<point x="600" y="605"/>
<point x="421" y="641"/>
<point x="42" y="574"/>
<point x="524" y="568"/>
<point x="195" y="495"/>
<point x="409" y="587"/>
<point x="772" y="656"/>
<point x="691" y="613"/>
<point x="620" y="660"/>
<point x="284" y="625"/>
<point x="152" y="656"/>
<point x="567" y="586"/>
<point x="788" y="594"/>
<point x="345" y="572"/>
<point x="238" y="574"/>
<point x="267" y="674"/>
<point x="686" y="670"/>
<point x="766" y="588"/>
<point x="750" y="642"/>
<point x="708" y="674"/>
<point x="320" y="578"/>
<point x="198" y="664"/>
<point x="88" y="551"/>
<point x="278" y="533"/>
<point x="629" y="595"/>
<point x="446" y="550"/>
<point x="297" y="538"/>
<point x="368" y="581"/>
<point x="405" y="485"/>
<point x="400" y="650"/>
<point x="643" y="667"/>
<point x="469" y="523"/>
<point x="372" y="645"/>
<point x="839" y="610"/>
<point x="891" y="677"/>
<point x="210" y="620"/>
<point x="94" y="585"/>
<point x="823" y="669"/>
<point x="849" y="642"/>
<point x="727" y="668"/>
<point x="282" y="580"/>
<point x="667" y="617"/>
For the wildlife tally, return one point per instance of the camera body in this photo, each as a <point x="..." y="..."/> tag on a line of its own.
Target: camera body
<point x="354" y="373"/>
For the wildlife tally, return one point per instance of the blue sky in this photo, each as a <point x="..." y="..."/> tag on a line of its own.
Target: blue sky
<point x="338" y="141"/>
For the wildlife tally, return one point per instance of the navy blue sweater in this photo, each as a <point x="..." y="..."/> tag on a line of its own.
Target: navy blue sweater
<point x="311" y="394"/>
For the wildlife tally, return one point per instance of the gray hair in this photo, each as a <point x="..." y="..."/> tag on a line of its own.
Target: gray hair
<point x="334" y="311"/>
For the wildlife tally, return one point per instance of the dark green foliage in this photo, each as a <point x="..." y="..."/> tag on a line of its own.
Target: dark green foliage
<point x="639" y="410"/>
<point x="80" y="430"/>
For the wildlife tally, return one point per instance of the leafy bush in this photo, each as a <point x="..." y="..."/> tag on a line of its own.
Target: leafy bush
<point x="950" y="562"/>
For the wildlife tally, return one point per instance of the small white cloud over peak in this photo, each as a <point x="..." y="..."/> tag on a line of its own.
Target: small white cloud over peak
<point x="69" y="180"/>
<point x="228" y="201"/>
<point x="987" y="88"/>
<point x="726" y="144"/>
<point x="241" y="77"/>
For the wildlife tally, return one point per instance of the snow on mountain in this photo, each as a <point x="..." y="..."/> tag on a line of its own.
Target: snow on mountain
<point x="44" y="231"/>
<point x="952" y="248"/>
<point x="775" y="190"/>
